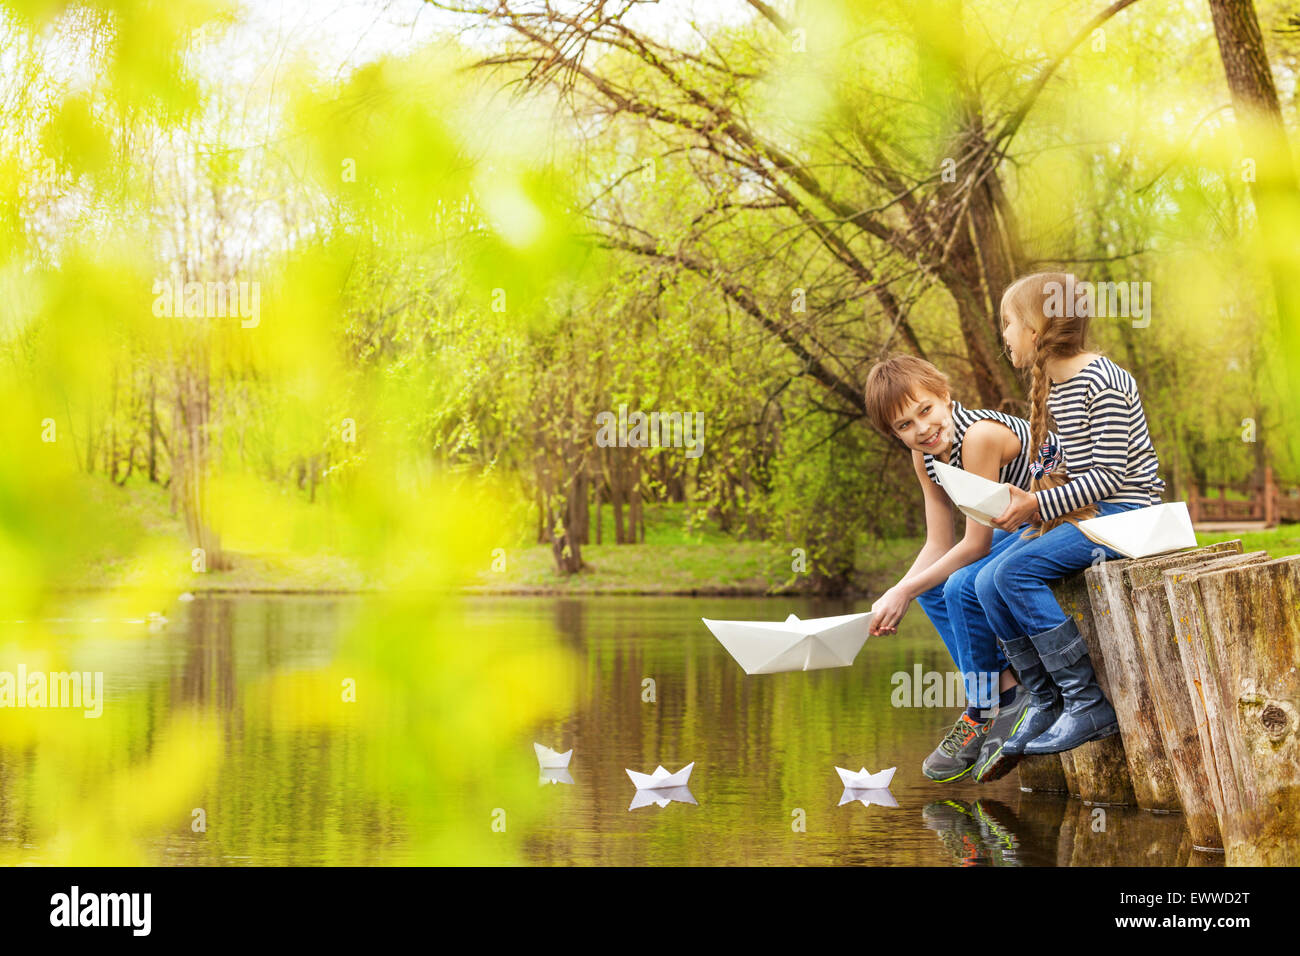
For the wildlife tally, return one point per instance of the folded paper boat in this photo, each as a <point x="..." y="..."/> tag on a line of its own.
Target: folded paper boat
<point x="661" y="779"/>
<point x="764" y="647"/>
<point x="866" y="781"/>
<point x="1143" y="532"/>
<point x="975" y="496"/>
<point x="548" y="759"/>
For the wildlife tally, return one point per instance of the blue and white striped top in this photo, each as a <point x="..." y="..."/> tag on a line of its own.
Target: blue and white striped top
<point x="1016" y="471"/>
<point x="1105" y="441"/>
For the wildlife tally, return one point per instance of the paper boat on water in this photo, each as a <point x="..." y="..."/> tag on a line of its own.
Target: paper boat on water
<point x="866" y="781"/>
<point x="548" y="759"/>
<point x="661" y="779"/>
<point x="1143" y="532"/>
<point x="881" y="798"/>
<point x="974" y="496"/>
<point x="763" y="647"/>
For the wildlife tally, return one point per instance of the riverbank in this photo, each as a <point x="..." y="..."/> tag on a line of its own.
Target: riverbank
<point x="139" y="540"/>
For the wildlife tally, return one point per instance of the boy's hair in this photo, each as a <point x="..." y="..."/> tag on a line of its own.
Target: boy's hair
<point x="1040" y="302"/>
<point x="894" y="380"/>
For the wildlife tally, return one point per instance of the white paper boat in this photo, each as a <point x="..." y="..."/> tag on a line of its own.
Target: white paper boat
<point x="1143" y="532"/>
<point x="644" y="798"/>
<point x="661" y="779"/>
<point x="974" y="496"/>
<point x="548" y="759"/>
<point x="764" y="647"/>
<point x="881" y="798"/>
<point x="866" y="781"/>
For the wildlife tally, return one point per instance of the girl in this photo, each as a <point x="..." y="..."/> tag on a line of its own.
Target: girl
<point x="1104" y="438"/>
<point x="909" y="399"/>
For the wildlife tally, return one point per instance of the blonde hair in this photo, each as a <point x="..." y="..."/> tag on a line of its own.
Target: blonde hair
<point x="1040" y="302"/>
<point x="892" y="381"/>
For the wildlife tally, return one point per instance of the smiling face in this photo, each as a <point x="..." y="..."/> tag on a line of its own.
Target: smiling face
<point x="924" y="423"/>
<point x="1020" y="339"/>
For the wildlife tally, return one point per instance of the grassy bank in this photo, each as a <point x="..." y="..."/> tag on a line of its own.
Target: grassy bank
<point x="675" y="558"/>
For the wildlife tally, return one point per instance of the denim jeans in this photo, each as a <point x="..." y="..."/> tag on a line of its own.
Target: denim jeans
<point x="953" y="607"/>
<point x="1014" y="587"/>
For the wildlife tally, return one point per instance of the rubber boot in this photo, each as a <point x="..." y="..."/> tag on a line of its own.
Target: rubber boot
<point x="1087" y="714"/>
<point x="1000" y="757"/>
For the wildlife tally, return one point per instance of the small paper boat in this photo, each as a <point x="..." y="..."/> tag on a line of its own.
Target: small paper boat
<point x="1143" y="532"/>
<point x="763" y="647"/>
<point x="661" y="779"/>
<point x="548" y="759"/>
<point x="866" y="781"/>
<point x="643" y="798"/>
<point x="974" y="496"/>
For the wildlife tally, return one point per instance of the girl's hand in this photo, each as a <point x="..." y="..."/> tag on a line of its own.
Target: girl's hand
<point x="889" y="610"/>
<point x="1023" y="507"/>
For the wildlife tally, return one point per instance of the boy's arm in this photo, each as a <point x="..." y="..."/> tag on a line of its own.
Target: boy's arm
<point x="938" y="519"/>
<point x="891" y="605"/>
<point x="983" y="451"/>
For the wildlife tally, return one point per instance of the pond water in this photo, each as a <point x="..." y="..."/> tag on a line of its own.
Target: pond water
<point x="228" y="736"/>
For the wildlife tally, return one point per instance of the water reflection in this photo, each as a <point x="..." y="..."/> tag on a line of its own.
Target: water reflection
<point x="234" y="708"/>
<point x="661" y="797"/>
<point x="880" y="797"/>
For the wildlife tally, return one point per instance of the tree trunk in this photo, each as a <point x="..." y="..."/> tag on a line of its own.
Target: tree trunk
<point x="1275" y="190"/>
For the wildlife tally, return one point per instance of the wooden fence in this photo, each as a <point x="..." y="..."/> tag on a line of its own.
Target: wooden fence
<point x="1266" y="501"/>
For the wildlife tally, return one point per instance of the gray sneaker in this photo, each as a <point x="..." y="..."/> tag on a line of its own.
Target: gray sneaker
<point x="957" y="754"/>
<point x="994" y="762"/>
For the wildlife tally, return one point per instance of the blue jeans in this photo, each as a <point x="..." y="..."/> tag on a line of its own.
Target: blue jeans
<point x="953" y="607"/>
<point x="1014" y="587"/>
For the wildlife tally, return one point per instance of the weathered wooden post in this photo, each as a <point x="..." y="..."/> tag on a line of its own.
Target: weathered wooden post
<point x="1129" y="691"/>
<point x="1071" y="778"/>
<point x="1206" y="696"/>
<point x="1171" y="694"/>
<point x="1099" y="770"/>
<point x="1244" y="629"/>
<point x="1042" y="774"/>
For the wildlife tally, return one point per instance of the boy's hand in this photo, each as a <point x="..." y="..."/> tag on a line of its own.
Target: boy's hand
<point x="889" y="609"/>
<point x="1023" y="507"/>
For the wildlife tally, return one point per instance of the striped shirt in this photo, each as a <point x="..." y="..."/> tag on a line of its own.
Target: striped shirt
<point x="1016" y="471"/>
<point x="1107" y="448"/>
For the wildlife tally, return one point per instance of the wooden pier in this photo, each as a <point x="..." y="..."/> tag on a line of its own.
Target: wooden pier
<point x="1199" y="652"/>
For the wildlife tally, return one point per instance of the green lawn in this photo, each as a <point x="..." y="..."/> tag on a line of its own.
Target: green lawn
<point x="675" y="558"/>
<point x="1278" y="542"/>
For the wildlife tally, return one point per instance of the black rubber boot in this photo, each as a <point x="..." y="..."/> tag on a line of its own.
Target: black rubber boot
<point x="1088" y="714"/>
<point x="1000" y="756"/>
